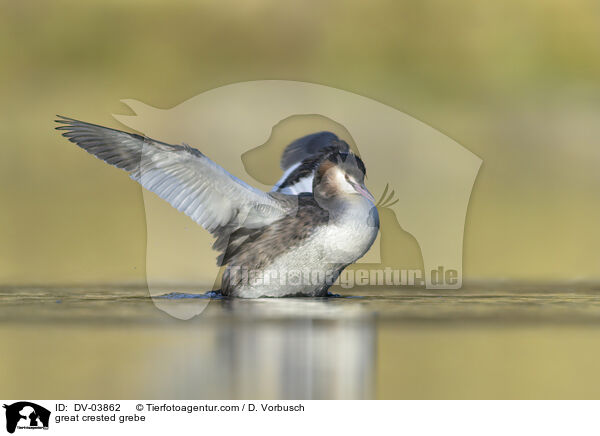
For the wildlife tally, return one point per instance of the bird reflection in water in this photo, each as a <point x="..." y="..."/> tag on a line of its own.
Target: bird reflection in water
<point x="278" y="349"/>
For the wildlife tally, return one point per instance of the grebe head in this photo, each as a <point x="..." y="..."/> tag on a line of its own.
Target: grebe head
<point x="341" y="174"/>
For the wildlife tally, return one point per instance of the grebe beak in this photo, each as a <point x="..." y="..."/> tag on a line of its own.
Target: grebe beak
<point x="362" y="190"/>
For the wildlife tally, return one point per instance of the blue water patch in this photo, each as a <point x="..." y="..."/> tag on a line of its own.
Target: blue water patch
<point x="331" y="295"/>
<point x="183" y="295"/>
<point x="218" y="296"/>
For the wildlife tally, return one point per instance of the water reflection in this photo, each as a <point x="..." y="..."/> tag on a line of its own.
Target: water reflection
<point x="300" y="349"/>
<point x="289" y="349"/>
<point x="96" y="345"/>
<point x="391" y="343"/>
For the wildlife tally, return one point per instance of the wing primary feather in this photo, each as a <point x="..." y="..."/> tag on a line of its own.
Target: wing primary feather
<point x="179" y="174"/>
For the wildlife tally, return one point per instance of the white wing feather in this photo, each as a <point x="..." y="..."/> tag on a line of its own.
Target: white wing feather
<point x="181" y="175"/>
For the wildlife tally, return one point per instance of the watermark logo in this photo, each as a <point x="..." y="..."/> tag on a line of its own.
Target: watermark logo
<point x="24" y="415"/>
<point x="347" y="279"/>
<point x="421" y="178"/>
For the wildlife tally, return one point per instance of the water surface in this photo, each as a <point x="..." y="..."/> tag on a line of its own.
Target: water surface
<point x="113" y="342"/>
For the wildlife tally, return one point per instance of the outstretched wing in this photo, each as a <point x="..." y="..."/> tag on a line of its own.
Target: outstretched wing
<point x="301" y="158"/>
<point x="181" y="175"/>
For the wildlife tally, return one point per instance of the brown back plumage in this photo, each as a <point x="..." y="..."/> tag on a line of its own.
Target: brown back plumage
<point x="258" y="248"/>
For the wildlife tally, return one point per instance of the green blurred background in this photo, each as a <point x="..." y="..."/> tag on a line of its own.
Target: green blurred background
<point x="516" y="82"/>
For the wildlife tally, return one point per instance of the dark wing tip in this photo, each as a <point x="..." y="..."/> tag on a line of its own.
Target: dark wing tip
<point x="63" y="119"/>
<point x="65" y="122"/>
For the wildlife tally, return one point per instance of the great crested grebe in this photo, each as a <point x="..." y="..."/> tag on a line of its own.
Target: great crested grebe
<point x="292" y="241"/>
